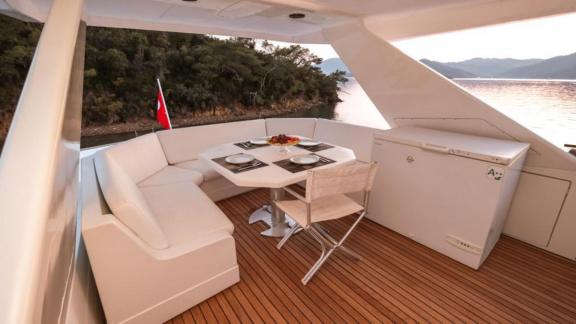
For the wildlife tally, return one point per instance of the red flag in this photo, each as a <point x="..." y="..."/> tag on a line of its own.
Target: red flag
<point x="162" y="110"/>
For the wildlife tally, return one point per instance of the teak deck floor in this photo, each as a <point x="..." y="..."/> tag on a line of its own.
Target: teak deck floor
<point x="397" y="280"/>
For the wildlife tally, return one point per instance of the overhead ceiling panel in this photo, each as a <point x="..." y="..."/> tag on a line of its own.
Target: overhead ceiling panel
<point x="243" y="9"/>
<point x="389" y="19"/>
<point x="130" y="9"/>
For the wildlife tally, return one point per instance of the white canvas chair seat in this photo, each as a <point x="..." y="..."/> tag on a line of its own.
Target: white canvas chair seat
<point x="325" y="200"/>
<point x="323" y="209"/>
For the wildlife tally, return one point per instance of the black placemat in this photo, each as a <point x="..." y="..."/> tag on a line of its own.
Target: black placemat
<point x="249" y="146"/>
<point x="316" y="148"/>
<point x="294" y="168"/>
<point x="239" y="168"/>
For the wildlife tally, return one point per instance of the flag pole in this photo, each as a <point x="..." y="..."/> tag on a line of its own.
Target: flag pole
<point x="164" y="101"/>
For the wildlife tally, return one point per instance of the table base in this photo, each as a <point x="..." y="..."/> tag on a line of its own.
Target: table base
<point x="264" y="214"/>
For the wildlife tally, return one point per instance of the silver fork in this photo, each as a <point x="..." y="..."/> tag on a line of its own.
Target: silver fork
<point x="251" y="165"/>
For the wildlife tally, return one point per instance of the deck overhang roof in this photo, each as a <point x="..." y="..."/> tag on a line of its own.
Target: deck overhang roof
<point x="269" y="19"/>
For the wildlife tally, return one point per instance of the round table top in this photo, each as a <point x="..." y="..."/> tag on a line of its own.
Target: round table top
<point x="272" y="175"/>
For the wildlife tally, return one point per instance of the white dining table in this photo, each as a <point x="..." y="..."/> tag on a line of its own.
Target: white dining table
<point x="271" y="176"/>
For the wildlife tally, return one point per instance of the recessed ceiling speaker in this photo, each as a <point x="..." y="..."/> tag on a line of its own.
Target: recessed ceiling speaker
<point x="297" y="15"/>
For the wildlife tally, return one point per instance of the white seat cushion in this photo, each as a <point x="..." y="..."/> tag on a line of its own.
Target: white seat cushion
<point x="355" y="137"/>
<point x="200" y="166"/>
<point x="323" y="209"/>
<point x="185" y="212"/>
<point x="291" y="126"/>
<point x="172" y="174"/>
<point x="139" y="157"/>
<point x="127" y="202"/>
<point x="184" y="144"/>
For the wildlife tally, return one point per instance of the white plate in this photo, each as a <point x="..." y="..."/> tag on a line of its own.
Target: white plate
<point x="259" y="141"/>
<point x="309" y="143"/>
<point x="239" y="158"/>
<point x="305" y="159"/>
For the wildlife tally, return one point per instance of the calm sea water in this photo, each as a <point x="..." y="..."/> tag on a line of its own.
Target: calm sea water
<point x="546" y="107"/>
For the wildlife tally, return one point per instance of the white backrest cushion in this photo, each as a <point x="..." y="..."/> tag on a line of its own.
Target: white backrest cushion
<point x="139" y="157"/>
<point x="291" y="126"/>
<point x="126" y="201"/>
<point x="184" y="144"/>
<point x="355" y="137"/>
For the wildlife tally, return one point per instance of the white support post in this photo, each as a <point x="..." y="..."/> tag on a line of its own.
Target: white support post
<point x="39" y="177"/>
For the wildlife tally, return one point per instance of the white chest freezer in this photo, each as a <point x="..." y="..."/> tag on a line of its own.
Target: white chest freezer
<point x="448" y="191"/>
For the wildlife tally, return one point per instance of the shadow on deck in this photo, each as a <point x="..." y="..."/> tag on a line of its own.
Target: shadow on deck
<point x="398" y="280"/>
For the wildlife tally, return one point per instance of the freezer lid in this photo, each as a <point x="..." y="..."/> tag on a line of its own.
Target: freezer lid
<point x="476" y="147"/>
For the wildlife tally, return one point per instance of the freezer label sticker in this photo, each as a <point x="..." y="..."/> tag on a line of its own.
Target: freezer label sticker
<point x="495" y="173"/>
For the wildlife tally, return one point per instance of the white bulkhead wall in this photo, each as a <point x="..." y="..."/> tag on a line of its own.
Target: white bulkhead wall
<point x="408" y="93"/>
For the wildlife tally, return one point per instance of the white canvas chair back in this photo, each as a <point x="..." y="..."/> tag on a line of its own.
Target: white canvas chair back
<point x="340" y="180"/>
<point x="331" y="184"/>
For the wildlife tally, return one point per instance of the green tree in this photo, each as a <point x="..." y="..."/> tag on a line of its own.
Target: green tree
<point x="17" y="43"/>
<point x="199" y="73"/>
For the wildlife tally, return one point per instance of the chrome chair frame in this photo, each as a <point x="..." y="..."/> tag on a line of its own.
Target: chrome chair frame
<point x="328" y="244"/>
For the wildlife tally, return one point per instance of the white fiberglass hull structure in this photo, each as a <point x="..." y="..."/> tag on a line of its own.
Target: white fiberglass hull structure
<point x="40" y="160"/>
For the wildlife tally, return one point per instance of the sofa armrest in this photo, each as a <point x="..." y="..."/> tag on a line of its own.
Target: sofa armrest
<point x="126" y="269"/>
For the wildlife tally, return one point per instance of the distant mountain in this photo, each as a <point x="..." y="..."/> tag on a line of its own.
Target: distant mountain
<point x="447" y="71"/>
<point x="330" y="66"/>
<point x="490" y="67"/>
<point x="559" y="67"/>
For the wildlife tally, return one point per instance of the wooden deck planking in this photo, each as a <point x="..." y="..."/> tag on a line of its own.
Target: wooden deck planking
<point x="397" y="280"/>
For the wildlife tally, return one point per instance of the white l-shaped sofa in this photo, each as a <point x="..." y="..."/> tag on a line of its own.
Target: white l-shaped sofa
<point x="157" y="242"/>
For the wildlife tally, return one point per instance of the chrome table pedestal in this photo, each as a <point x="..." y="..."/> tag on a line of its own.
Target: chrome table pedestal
<point x="278" y="221"/>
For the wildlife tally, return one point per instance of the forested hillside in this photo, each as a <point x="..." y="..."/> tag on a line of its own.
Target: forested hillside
<point x="201" y="76"/>
<point x="17" y="43"/>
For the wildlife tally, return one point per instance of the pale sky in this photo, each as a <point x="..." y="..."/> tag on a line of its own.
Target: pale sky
<point x="538" y="38"/>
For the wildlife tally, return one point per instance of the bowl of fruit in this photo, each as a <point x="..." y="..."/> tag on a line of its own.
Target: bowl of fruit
<point x="284" y="141"/>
